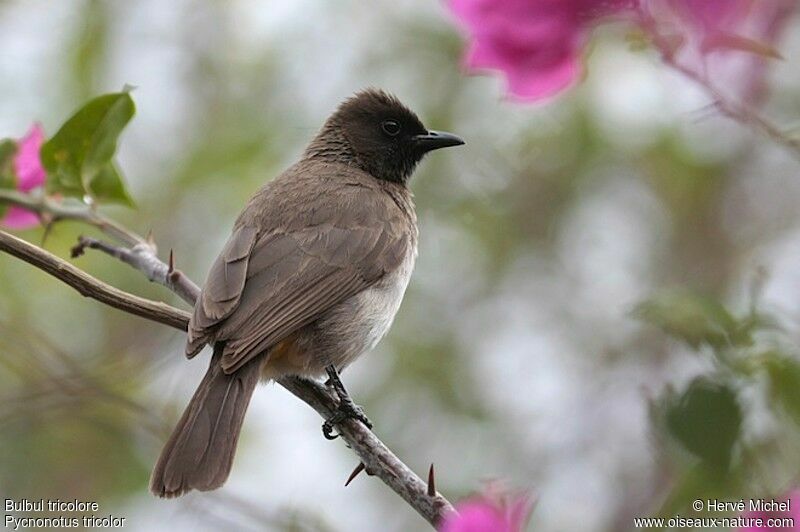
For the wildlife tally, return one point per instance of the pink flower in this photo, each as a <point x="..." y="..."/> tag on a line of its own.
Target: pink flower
<point x="30" y="174"/>
<point x="493" y="511"/>
<point x="727" y="42"/>
<point x="536" y="43"/>
<point x="792" y="514"/>
<point x="708" y="25"/>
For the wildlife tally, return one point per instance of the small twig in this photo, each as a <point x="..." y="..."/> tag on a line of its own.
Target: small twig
<point x="88" y="286"/>
<point x="737" y="111"/>
<point x="142" y="257"/>
<point x="54" y="210"/>
<point x="140" y="252"/>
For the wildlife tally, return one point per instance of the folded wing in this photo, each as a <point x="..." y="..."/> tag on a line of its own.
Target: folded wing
<point x="265" y="286"/>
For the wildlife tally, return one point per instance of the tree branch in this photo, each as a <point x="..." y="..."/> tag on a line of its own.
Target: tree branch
<point x="143" y="257"/>
<point x="141" y="253"/>
<point x="739" y="112"/>
<point x="88" y="286"/>
<point x="51" y="211"/>
<point x="378" y="459"/>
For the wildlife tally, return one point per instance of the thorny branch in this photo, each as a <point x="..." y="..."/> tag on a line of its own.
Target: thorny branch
<point x="143" y="257"/>
<point x="140" y="253"/>
<point x="88" y="286"/>
<point x="737" y="111"/>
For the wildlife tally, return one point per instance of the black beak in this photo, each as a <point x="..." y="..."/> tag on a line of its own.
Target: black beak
<point x="433" y="140"/>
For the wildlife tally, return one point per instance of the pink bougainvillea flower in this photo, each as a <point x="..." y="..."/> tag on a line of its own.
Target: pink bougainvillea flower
<point x="537" y="44"/>
<point x="495" y="510"/>
<point x="29" y="174"/>
<point x="727" y="42"/>
<point x="790" y="516"/>
<point x="722" y="25"/>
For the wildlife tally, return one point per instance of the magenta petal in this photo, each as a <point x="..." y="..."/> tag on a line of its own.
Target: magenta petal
<point x="18" y="218"/>
<point x="482" y="57"/>
<point x="29" y="174"/>
<point x="469" y="11"/>
<point x="726" y="41"/>
<point x="715" y="14"/>
<point x="536" y="43"/>
<point x="794" y="509"/>
<point x="496" y="510"/>
<point x="536" y="85"/>
<point x="593" y="9"/>
<point x="519" y="511"/>
<point x="476" y="517"/>
<point x="794" y="501"/>
<point x="27" y="164"/>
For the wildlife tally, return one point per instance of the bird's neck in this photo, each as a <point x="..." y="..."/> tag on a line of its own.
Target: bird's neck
<point x="330" y="145"/>
<point x="404" y="200"/>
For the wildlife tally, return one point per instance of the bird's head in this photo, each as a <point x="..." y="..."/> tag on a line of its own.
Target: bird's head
<point x="376" y="132"/>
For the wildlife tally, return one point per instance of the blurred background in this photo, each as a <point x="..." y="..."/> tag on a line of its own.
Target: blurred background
<point x="582" y="263"/>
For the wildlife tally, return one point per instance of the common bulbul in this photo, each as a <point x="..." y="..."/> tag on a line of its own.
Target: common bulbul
<point x="310" y="278"/>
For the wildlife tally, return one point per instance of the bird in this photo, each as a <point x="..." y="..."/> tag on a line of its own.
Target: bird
<point x="310" y="279"/>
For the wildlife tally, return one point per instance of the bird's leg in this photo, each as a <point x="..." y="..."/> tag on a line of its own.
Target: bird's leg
<point x="347" y="409"/>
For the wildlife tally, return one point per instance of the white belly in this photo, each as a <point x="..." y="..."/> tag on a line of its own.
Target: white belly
<point x="380" y="303"/>
<point x="346" y="331"/>
<point x="358" y="324"/>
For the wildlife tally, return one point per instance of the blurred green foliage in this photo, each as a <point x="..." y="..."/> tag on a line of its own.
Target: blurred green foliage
<point x="8" y="148"/>
<point x="784" y="382"/>
<point x="707" y="420"/>
<point x="705" y="417"/>
<point x="695" y="319"/>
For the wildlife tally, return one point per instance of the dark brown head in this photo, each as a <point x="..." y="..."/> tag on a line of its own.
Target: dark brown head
<point x="377" y="133"/>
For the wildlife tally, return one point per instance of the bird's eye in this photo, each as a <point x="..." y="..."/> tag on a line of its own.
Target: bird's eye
<point x="391" y="127"/>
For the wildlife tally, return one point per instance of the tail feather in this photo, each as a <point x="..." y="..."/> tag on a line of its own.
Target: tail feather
<point x="199" y="453"/>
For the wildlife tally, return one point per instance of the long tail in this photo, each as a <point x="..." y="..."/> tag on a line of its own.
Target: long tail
<point x="199" y="454"/>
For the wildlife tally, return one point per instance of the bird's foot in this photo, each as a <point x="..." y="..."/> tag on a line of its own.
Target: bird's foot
<point x="347" y="409"/>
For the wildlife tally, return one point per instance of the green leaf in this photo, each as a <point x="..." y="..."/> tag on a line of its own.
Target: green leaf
<point x="706" y="420"/>
<point x="784" y="382"/>
<point x="81" y="152"/>
<point x="109" y="186"/>
<point x="8" y="148"/>
<point x="695" y="319"/>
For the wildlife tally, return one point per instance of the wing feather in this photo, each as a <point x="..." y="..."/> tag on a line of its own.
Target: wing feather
<point x="223" y="288"/>
<point x="264" y="286"/>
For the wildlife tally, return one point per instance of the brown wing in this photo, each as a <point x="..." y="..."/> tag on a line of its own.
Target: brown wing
<point x="223" y="288"/>
<point x="294" y="274"/>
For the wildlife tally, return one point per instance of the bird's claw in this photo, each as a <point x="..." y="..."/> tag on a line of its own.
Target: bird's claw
<point x="345" y="410"/>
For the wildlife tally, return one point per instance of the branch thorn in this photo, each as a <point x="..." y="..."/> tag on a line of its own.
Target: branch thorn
<point x="47" y="223"/>
<point x="431" y="482"/>
<point x="171" y="267"/>
<point x="151" y="240"/>
<point x="359" y="468"/>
